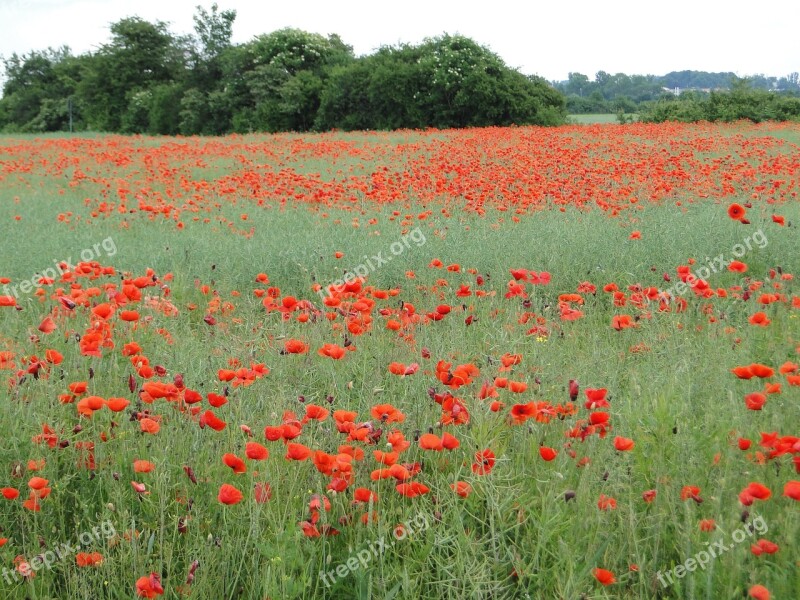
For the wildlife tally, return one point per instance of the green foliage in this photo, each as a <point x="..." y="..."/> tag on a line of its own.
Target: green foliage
<point x="214" y="31"/>
<point x="623" y="118"/>
<point x="741" y="102"/>
<point x="145" y="80"/>
<point x="286" y="78"/>
<point x="118" y="77"/>
<point x="697" y="80"/>
<point x="193" y="112"/>
<point x="346" y="100"/>
<point x="611" y="93"/>
<point x="36" y="90"/>
<point x="448" y="81"/>
<point x="593" y="104"/>
<point x="162" y="117"/>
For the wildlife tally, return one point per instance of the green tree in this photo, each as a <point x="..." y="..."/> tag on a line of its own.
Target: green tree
<point x="203" y="113"/>
<point x="449" y="81"/>
<point x="145" y="80"/>
<point x="579" y="85"/>
<point x="140" y="56"/>
<point x="284" y="74"/>
<point x="37" y="90"/>
<point x="214" y="31"/>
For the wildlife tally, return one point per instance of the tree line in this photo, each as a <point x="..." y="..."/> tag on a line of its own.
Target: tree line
<point x="621" y="93"/>
<point x="147" y="80"/>
<point x="741" y="102"/>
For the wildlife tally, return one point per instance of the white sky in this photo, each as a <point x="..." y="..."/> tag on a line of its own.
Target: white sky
<point x="545" y="38"/>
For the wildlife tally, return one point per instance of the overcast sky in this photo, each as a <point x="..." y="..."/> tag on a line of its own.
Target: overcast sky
<point x="550" y="39"/>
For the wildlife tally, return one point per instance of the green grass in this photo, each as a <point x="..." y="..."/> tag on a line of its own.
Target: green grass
<point x="515" y="536"/>
<point x="595" y="119"/>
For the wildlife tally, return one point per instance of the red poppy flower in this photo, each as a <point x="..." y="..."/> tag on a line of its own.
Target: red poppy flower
<point x="235" y="463"/>
<point x="484" y="462"/>
<point x="364" y="495"/>
<point x="755" y="401"/>
<point x="761" y="371"/>
<point x="737" y="266"/>
<point x="143" y="466"/>
<point x="332" y="351"/>
<point x="649" y="495"/>
<point x="604" y="576"/>
<point x="412" y="489"/>
<point x="255" y="451"/>
<point x="430" y="441"/>
<point x="292" y="346"/>
<point x="297" y="451"/>
<point x="229" y="494"/>
<point x="149" y="586"/>
<point x="623" y="444"/>
<point x="212" y="421"/>
<point x="707" y="525"/>
<point x="606" y="502"/>
<point x="387" y="413"/>
<point x="9" y="493"/>
<point x="758" y="592"/>
<point x="760" y="319"/>
<point x="764" y="547"/>
<point x="691" y="492"/>
<point x="736" y="211"/>
<point x="759" y="491"/>
<point x="792" y="490"/>
<point x="547" y="454"/>
<point x="462" y="488"/>
<point x="262" y="492"/>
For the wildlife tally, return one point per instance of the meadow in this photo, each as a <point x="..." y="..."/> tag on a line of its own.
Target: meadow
<point x="595" y="119"/>
<point x="482" y="363"/>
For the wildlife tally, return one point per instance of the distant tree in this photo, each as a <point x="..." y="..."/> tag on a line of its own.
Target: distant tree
<point x="789" y="83"/>
<point x="644" y="87"/>
<point x="624" y="105"/>
<point x="578" y="84"/>
<point x="740" y="102"/>
<point x="602" y="78"/>
<point x="697" y="80"/>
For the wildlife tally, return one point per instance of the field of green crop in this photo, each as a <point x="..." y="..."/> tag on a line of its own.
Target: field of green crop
<point x="595" y="119"/>
<point x="490" y="363"/>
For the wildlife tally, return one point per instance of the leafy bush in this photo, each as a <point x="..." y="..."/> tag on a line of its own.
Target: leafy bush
<point x="449" y="81"/>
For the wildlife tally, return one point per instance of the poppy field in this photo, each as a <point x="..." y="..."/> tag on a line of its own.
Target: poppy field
<point x="481" y="363"/>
